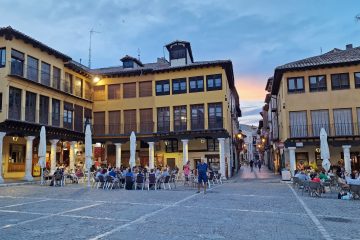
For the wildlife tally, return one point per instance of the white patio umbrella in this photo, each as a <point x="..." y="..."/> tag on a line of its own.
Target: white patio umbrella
<point x="42" y="153"/>
<point x="88" y="151"/>
<point x="324" y="150"/>
<point x="132" y="149"/>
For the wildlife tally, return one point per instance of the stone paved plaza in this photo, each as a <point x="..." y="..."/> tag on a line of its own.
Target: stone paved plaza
<point x="249" y="206"/>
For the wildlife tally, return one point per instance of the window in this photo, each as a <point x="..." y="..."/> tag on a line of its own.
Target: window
<point x="68" y="115"/>
<point x="145" y="89"/>
<point x="196" y="84"/>
<point x="357" y="79"/>
<point x="146" y="120"/>
<point x="171" y="146"/>
<point x="212" y="145"/>
<point x="55" y="115"/>
<point x="78" y="118"/>
<point x="99" y="123"/>
<point x="114" y="91"/>
<point x="45" y="73"/>
<point x="129" y="90"/>
<point x="2" y="57"/>
<point x="114" y="122"/>
<point x="180" y="118"/>
<point x="30" y="107"/>
<point x="162" y="87"/>
<point x="302" y="158"/>
<point x="17" y="63"/>
<point x="99" y="93"/>
<point x="68" y="83"/>
<point x="129" y="121"/>
<point x="163" y="119"/>
<point x="298" y="124"/>
<point x="87" y="90"/>
<point x="319" y="119"/>
<point x="179" y="86"/>
<point x="213" y="82"/>
<point x="56" y="78"/>
<point x="177" y="52"/>
<point x="197" y="117"/>
<point x="14" y="103"/>
<point x="296" y="85"/>
<point x="343" y="122"/>
<point x="1" y="102"/>
<point x="32" y="69"/>
<point x="215" y="115"/>
<point x="78" y="87"/>
<point x="340" y="81"/>
<point x="317" y="83"/>
<point x="87" y="115"/>
<point x="128" y="64"/>
<point x="44" y="110"/>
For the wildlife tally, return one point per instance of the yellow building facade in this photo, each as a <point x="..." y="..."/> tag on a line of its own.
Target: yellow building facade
<point x="179" y="109"/>
<point x="314" y="93"/>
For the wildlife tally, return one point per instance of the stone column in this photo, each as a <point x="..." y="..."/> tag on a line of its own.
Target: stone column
<point x="53" y="155"/>
<point x="118" y="154"/>
<point x="347" y="159"/>
<point x="222" y="156"/>
<point x="292" y="160"/>
<point x="228" y="155"/>
<point x="2" y="135"/>
<point x="185" y="143"/>
<point x="72" y="156"/>
<point x="151" y="155"/>
<point x="28" y="158"/>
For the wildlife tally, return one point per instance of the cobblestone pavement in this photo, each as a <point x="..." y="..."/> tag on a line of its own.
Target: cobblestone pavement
<point x="253" y="205"/>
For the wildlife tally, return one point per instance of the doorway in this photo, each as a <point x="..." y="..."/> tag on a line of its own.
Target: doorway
<point x="170" y="162"/>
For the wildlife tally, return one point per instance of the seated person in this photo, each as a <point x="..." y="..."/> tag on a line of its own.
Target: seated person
<point x="323" y="176"/>
<point x="302" y="176"/>
<point x="99" y="173"/>
<point x="165" y="173"/>
<point x="351" y="181"/>
<point x="129" y="175"/>
<point x="314" y="178"/>
<point x="112" y="173"/>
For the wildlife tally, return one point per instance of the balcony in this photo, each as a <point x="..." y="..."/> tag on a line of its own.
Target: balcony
<point x="42" y="118"/>
<point x="46" y="79"/>
<point x="333" y="130"/>
<point x="151" y="127"/>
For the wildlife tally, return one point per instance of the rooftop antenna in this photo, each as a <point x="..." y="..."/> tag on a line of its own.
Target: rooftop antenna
<point x="92" y="31"/>
<point x="138" y="52"/>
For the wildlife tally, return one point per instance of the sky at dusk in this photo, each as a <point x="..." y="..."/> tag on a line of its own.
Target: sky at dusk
<point x="256" y="35"/>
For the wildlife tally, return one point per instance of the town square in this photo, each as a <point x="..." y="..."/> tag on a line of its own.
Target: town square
<point x="179" y="119"/>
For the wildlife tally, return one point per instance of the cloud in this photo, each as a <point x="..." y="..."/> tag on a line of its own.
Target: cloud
<point x="256" y="35"/>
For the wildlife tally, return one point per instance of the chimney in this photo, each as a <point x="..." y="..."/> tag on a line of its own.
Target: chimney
<point x="349" y="46"/>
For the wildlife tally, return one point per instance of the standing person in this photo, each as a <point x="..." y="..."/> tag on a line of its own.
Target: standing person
<point x="251" y="164"/>
<point x="259" y="164"/>
<point x="186" y="169"/>
<point x="202" y="168"/>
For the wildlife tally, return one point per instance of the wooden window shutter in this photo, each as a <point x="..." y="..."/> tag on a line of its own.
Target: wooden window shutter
<point x="114" y="122"/>
<point x="129" y="90"/>
<point x="146" y="120"/>
<point x="129" y="121"/>
<point x="114" y="91"/>
<point x="79" y="118"/>
<point x="99" y="93"/>
<point x="145" y="89"/>
<point x="99" y="123"/>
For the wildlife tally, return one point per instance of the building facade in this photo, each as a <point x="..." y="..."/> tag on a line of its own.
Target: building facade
<point x="314" y="93"/>
<point x="179" y="109"/>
